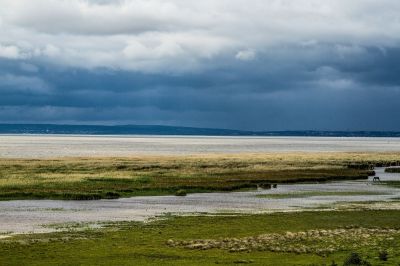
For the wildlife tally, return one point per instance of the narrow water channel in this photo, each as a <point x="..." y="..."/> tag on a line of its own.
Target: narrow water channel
<point x="35" y="216"/>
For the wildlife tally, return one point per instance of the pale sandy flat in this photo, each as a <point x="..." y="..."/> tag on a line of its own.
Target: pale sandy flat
<point x="35" y="146"/>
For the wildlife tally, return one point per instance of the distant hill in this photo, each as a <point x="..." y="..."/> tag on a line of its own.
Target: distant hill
<point x="171" y="130"/>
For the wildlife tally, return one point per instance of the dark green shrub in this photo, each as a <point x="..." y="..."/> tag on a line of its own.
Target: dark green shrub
<point x="383" y="255"/>
<point x="265" y="185"/>
<point x="371" y="173"/>
<point x="143" y="180"/>
<point x="112" y="195"/>
<point x="81" y="196"/>
<point x="392" y="170"/>
<point x="354" y="259"/>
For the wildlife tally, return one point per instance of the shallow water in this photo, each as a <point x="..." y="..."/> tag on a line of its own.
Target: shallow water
<point x="34" y="146"/>
<point x="29" y="216"/>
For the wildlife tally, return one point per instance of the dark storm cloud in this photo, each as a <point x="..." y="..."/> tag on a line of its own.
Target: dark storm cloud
<point x="376" y="66"/>
<point x="272" y="92"/>
<point x="268" y="65"/>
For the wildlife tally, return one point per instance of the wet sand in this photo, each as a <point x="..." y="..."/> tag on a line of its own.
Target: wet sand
<point x="45" y="146"/>
<point x="34" y="216"/>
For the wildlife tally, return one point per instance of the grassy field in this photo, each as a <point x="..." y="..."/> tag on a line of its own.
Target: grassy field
<point x="95" y="178"/>
<point x="306" y="238"/>
<point x="395" y="184"/>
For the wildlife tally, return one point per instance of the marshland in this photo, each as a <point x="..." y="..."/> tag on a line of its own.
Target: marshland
<point x="114" y="177"/>
<point x="258" y="208"/>
<point x="182" y="132"/>
<point x="300" y="238"/>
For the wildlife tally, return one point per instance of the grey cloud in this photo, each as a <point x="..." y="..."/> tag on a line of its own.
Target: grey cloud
<point x="11" y="83"/>
<point x="101" y="18"/>
<point x="29" y="67"/>
<point x="176" y="36"/>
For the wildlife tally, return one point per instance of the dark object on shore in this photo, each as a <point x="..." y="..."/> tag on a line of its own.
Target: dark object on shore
<point x="361" y="166"/>
<point x="181" y="193"/>
<point x="387" y="164"/>
<point x="383" y="255"/>
<point x="265" y="185"/>
<point x="371" y="173"/>
<point x="274" y="185"/>
<point x="376" y="178"/>
<point x="355" y="259"/>
<point x="112" y="195"/>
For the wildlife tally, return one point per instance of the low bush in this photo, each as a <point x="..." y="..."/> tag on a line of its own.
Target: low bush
<point x="383" y="255"/>
<point x="112" y="195"/>
<point x="354" y="259"/>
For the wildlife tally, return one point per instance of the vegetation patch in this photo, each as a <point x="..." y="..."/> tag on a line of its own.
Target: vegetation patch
<point x="395" y="184"/>
<point x="99" y="178"/>
<point x="311" y="241"/>
<point x="367" y="233"/>
<point x="181" y="192"/>
<point x="392" y="170"/>
<point x="355" y="260"/>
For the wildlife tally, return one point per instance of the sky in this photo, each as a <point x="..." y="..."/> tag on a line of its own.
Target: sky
<point x="239" y="64"/>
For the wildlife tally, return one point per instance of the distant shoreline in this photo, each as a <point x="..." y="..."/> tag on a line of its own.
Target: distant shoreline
<point x="161" y="136"/>
<point x="157" y="130"/>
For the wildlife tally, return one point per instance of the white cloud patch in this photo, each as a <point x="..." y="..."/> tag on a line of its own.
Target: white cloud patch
<point x="246" y="55"/>
<point x="9" y="52"/>
<point x="51" y="50"/>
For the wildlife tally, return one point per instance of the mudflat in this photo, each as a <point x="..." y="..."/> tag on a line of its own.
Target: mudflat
<point x="45" y="146"/>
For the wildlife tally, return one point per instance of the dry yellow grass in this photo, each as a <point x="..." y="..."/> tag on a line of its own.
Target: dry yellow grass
<point x="173" y="172"/>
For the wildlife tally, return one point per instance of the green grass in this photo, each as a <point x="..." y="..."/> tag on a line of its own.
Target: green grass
<point x="146" y="243"/>
<point x="395" y="184"/>
<point x="307" y="194"/>
<point x="97" y="178"/>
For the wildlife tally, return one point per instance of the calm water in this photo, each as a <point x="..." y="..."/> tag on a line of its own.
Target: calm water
<point x="71" y="145"/>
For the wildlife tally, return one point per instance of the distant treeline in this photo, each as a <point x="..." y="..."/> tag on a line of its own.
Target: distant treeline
<point x="172" y="130"/>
